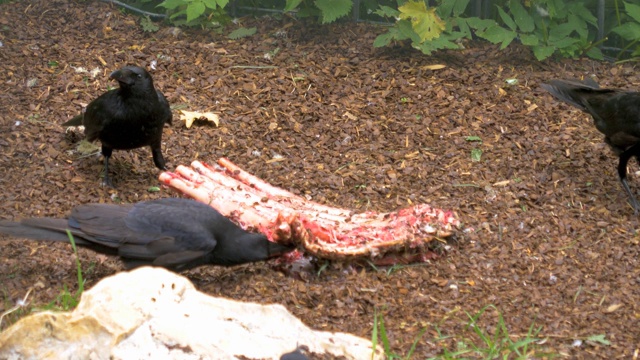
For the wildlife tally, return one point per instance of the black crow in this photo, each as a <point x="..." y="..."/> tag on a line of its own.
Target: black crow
<point x="129" y="117"/>
<point x="177" y="234"/>
<point x="616" y="114"/>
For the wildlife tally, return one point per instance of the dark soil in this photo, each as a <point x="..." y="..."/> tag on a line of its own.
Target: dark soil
<point x="553" y="237"/>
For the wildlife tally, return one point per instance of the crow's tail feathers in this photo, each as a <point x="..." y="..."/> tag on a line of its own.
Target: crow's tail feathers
<point x="75" y="121"/>
<point x="572" y="91"/>
<point x="39" y="229"/>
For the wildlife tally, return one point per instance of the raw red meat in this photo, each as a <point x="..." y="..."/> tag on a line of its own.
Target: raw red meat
<point x="322" y="231"/>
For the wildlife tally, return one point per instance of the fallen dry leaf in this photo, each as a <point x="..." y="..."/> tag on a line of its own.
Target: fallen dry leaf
<point x="190" y="116"/>
<point x="433" y="67"/>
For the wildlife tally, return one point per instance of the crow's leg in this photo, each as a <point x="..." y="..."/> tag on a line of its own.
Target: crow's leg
<point x="106" y="152"/>
<point x="157" y="157"/>
<point x="622" y="173"/>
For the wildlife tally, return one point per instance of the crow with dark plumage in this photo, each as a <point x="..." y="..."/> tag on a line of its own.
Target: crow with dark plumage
<point x="178" y="234"/>
<point x="126" y="118"/>
<point x="616" y="114"/>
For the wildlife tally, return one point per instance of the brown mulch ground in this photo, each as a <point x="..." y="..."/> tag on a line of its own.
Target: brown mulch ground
<point x="554" y="238"/>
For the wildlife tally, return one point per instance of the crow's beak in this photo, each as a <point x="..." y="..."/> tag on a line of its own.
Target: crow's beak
<point x="122" y="76"/>
<point x="275" y="249"/>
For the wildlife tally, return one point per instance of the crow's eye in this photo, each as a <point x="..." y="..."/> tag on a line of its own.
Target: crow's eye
<point x="139" y="75"/>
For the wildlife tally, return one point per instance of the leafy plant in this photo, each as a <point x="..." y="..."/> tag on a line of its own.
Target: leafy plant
<point x="148" y="25"/>
<point x="547" y="26"/>
<point x="327" y="11"/>
<point x="419" y="24"/>
<point x="630" y="30"/>
<point x="241" y="33"/>
<point x="196" y="12"/>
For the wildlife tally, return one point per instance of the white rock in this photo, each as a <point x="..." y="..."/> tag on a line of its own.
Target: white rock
<point x="151" y="313"/>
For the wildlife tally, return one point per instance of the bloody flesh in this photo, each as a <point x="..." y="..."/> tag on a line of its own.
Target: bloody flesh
<point x="322" y="231"/>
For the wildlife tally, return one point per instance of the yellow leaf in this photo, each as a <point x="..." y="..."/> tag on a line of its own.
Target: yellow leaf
<point x="433" y="67"/>
<point x="190" y="116"/>
<point x="613" y="308"/>
<point x="424" y="21"/>
<point x="350" y="116"/>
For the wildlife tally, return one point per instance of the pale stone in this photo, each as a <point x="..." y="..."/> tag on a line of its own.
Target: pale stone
<point x="151" y="313"/>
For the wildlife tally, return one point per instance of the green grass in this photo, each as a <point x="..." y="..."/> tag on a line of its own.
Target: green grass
<point x="473" y="342"/>
<point x="66" y="300"/>
<point x="63" y="302"/>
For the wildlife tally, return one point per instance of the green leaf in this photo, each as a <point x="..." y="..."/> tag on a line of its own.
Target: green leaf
<point x="241" y="33"/>
<point x="564" y="43"/>
<point x="600" y="338"/>
<point x="383" y="39"/>
<point x="459" y="7"/>
<point x="579" y="25"/>
<point x="333" y="9"/>
<point x="595" y="53"/>
<point x="400" y="31"/>
<point x="291" y="5"/>
<point x="560" y="32"/>
<point x="543" y="52"/>
<point x="386" y="11"/>
<point x="507" y="19"/>
<point x="171" y="4"/>
<point x="633" y="10"/>
<point x="153" y="189"/>
<point x="628" y="31"/>
<point x="445" y="41"/>
<point x="176" y="15"/>
<point x="195" y="10"/>
<point x="480" y="24"/>
<point x="583" y="13"/>
<point x="497" y="34"/>
<point x="446" y="8"/>
<point x="452" y="8"/>
<point x="473" y="138"/>
<point x="425" y="22"/>
<point x="476" y="154"/>
<point x="521" y="16"/>
<point x="464" y="27"/>
<point x="405" y="31"/>
<point x="529" y="39"/>
<point x="211" y="4"/>
<point x="148" y="25"/>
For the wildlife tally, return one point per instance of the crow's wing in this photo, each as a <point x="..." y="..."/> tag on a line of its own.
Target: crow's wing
<point x="181" y="227"/>
<point x="167" y="116"/>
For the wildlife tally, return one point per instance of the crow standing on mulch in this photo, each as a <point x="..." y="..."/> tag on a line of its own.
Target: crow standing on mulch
<point x="616" y="114"/>
<point x="178" y="234"/>
<point x="126" y="118"/>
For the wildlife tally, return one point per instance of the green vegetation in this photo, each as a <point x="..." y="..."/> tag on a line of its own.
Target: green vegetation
<point x="562" y="28"/>
<point x="476" y="341"/>
<point x="64" y="302"/>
